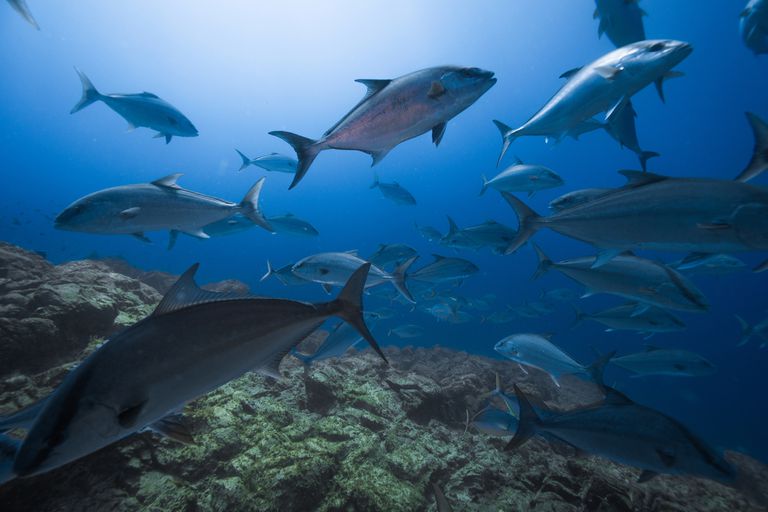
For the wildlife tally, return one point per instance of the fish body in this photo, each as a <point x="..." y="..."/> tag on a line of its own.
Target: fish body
<point x="394" y="111"/>
<point x="620" y="20"/>
<point x="160" y="205"/>
<point x="628" y="317"/>
<point x="293" y="225"/>
<point x="194" y="342"/>
<point x="495" y="422"/>
<point x="445" y="269"/>
<point x="659" y="361"/>
<point x="638" y="279"/>
<point x="523" y="178"/>
<point x="600" y="86"/>
<point x="274" y="162"/>
<point x="391" y="253"/>
<point x="394" y="192"/>
<point x="407" y="331"/>
<point x="143" y="109"/>
<point x="753" y="23"/>
<point x="537" y="351"/>
<point x="490" y="234"/>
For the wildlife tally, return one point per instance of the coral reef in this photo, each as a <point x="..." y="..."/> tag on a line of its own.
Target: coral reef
<point x="347" y="434"/>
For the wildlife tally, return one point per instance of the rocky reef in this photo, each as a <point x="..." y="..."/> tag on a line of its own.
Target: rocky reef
<point x="347" y="434"/>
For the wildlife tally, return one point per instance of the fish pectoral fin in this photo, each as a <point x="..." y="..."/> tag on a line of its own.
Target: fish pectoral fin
<point x="714" y="226"/>
<point x="666" y="456"/>
<point x="174" y="426"/>
<point x="196" y="232"/>
<point x="127" y="417"/>
<point x="378" y="156"/>
<point x="141" y="236"/>
<point x="646" y="475"/>
<point x="436" y="90"/>
<point x="608" y="72"/>
<point x="437" y="133"/>
<point x="130" y="213"/>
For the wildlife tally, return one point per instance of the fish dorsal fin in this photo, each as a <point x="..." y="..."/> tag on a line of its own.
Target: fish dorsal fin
<point x="452" y="227"/>
<point x="185" y="293"/>
<point x="169" y="181"/>
<point x="640" y="178"/>
<point x="353" y="252"/>
<point x="569" y="74"/>
<point x="146" y="94"/>
<point x="374" y="86"/>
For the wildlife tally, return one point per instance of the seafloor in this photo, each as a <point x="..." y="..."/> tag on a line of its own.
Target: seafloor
<point x="336" y="437"/>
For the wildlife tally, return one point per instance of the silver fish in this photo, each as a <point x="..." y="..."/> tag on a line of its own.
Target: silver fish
<point x="754" y="26"/>
<point x="143" y="109"/>
<point x="274" y="162"/>
<point x="601" y="86"/>
<point x="428" y="232"/>
<point x="393" y="191"/>
<point x="394" y="111"/>
<point x="626" y="275"/>
<point x="661" y="361"/>
<point x="291" y="224"/>
<point x="159" y="205"/>
<point x="521" y="177"/>
<point x="620" y="20"/>
<point x="707" y="263"/>
<point x="407" y="331"/>
<point x="628" y="317"/>
<point x="194" y="342"/>
<point x="445" y="269"/>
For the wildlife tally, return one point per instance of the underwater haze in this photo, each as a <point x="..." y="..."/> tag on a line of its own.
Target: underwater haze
<point x="238" y="70"/>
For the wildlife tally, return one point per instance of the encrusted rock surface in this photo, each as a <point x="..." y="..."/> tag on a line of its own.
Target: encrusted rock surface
<point x="340" y="436"/>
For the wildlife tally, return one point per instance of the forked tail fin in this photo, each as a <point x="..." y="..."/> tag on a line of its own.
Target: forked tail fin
<point x="306" y="151"/>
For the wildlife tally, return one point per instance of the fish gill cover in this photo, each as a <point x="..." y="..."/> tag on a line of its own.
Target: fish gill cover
<point x="611" y="135"/>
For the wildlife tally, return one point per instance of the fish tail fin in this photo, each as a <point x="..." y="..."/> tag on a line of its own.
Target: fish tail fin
<point x="306" y="151"/>
<point x="270" y="272"/>
<point x="759" y="162"/>
<point x="644" y="156"/>
<point x="398" y="278"/>
<point x="8" y="448"/>
<point x="250" y="206"/>
<point x="90" y="94"/>
<point x="528" y="422"/>
<point x="746" y="331"/>
<point x="580" y="316"/>
<point x="349" y="306"/>
<point x="507" y="137"/>
<point x="544" y="262"/>
<point x="527" y="220"/>
<point x="245" y="159"/>
<point x="484" y="185"/>
<point x="597" y="369"/>
<point x="375" y="180"/>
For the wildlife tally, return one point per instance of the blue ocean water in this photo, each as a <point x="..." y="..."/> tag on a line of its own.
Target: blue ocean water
<point x="242" y="69"/>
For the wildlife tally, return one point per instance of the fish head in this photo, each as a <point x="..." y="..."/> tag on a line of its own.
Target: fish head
<point x="549" y="178"/>
<point x="652" y="58"/>
<point x="89" y="214"/>
<point x="314" y="269"/>
<point x="509" y="347"/>
<point x="179" y="125"/>
<point x="466" y="85"/>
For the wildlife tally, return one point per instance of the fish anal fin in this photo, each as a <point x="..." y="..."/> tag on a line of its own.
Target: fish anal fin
<point x="129" y="415"/>
<point x="174" y="426"/>
<point x="437" y="133"/>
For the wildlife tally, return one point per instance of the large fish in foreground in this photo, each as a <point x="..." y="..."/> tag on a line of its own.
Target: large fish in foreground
<point x="393" y="111"/>
<point x="194" y="342"/>
<point x="156" y="206"/>
<point x="142" y="109"/>
<point x="628" y="433"/>
<point x="660" y="213"/>
<point x="601" y="86"/>
<point x="620" y="20"/>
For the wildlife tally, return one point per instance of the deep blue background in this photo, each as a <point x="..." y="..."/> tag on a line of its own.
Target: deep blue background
<point x="242" y="70"/>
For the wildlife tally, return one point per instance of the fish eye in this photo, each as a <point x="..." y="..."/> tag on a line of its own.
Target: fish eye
<point x="656" y="47"/>
<point x="324" y="271"/>
<point x="173" y="121"/>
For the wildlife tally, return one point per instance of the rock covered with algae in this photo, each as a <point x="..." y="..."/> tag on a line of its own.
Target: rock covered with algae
<point x="347" y="434"/>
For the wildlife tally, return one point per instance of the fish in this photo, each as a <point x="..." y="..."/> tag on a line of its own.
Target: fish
<point x="601" y="86"/>
<point x="628" y="433"/>
<point x="753" y="24"/>
<point x="621" y="126"/>
<point x="455" y="238"/>
<point x="521" y="177"/>
<point x="747" y="330"/>
<point x="194" y="342"/>
<point x="284" y="274"/>
<point x="445" y="269"/>
<point x="229" y="226"/>
<point x="708" y="263"/>
<point x="334" y="268"/>
<point x="391" y="253"/>
<point x="620" y="20"/>
<point x="407" y="331"/>
<point x="393" y="111"/>
<point x="20" y="6"/>
<point x="661" y="361"/>
<point x="648" y="282"/>
<point x="428" y="232"/>
<point x="759" y="161"/>
<point x="381" y="314"/>
<point x="291" y="224"/>
<point x="142" y="109"/>
<point x="576" y="198"/>
<point x="537" y="351"/>
<point x="492" y="421"/>
<point x="632" y="317"/>
<point x="274" y="162"/>
<point x="159" y="205"/>
<point x="490" y="234"/>
<point x="393" y="191"/>
<point x="343" y="337"/>
<point x="660" y="213"/>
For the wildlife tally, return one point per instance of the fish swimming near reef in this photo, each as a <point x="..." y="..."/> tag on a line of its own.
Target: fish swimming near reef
<point x="159" y="205"/>
<point x="633" y="317"/>
<point x="648" y="282"/>
<point x="601" y="86"/>
<point x="627" y="433"/>
<point x="753" y="23"/>
<point x="274" y="162"/>
<point x="660" y="213"/>
<point x="393" y="111"/>
<point x="142" y="109"/>
<point x="20" y="6"/>
<point x="620" y="20"/>
<point x="393" y="191"/>
<point x="194" y="342"/>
